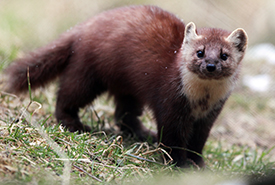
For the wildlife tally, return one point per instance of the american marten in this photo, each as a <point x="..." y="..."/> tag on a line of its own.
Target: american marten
<point x="142" y="56"/>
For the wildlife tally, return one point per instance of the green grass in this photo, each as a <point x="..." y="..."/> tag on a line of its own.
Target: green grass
<point x="239" y="160"/>
<point x="97" y="157"/>
<point x="31" y="146"/>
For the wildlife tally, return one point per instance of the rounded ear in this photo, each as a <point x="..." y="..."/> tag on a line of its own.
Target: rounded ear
<point x="239" y="39"/>
<point x="190" y="33"/>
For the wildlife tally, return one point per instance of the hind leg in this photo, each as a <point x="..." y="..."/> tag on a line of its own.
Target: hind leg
<point x="126" y="114"/>
<point x="72" y="95"/>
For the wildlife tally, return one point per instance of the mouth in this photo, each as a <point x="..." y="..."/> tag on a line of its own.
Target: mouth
<point x="211" y="74"/>
<point x="210" y="71"/>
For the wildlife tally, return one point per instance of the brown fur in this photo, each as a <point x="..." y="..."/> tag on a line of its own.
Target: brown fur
<point x="142" y="55"/>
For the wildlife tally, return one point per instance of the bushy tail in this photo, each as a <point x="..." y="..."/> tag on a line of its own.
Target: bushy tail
<point x="44" y="65"/>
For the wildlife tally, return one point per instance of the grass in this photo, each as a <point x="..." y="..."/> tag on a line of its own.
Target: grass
<point x="34" y="150"/>
<point x="30" y="149"/>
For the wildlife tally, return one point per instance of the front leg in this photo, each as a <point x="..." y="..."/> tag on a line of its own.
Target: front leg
<point x="175" y="135"/>
<point x="201" y="130"/>
<point x="197" y="141"/>
<point x="174" y="129"/>
<point x="173" y="142"/>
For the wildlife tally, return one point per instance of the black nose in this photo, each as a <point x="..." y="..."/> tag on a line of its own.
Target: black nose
<point x="211" y="67"/>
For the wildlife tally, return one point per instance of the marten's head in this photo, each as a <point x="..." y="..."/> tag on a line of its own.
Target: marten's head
<point x="212" y="53"/>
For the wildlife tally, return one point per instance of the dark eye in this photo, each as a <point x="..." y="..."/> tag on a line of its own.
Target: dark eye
<point x="224" y="56"/>
<point x="200" y="54"/>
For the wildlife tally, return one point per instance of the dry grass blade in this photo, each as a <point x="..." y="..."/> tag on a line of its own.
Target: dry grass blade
<point x="82" y="170"/>
<point x="52" y="144"/>
<point x="143" y="159"/>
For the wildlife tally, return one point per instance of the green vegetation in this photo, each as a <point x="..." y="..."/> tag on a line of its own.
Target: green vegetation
<point x="34" y="149"/>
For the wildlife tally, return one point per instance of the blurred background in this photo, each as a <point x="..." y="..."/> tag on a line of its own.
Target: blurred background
<point x="248" y="118"/>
